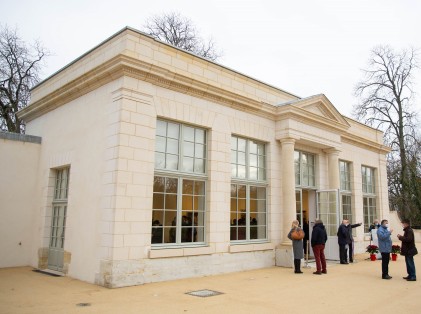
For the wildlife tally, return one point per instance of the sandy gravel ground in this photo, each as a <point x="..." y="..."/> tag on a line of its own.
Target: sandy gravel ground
<point x="353" y="288"/>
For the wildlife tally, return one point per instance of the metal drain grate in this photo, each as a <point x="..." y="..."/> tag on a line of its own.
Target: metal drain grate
<point x="204" y="293"/>
<point x="83" y="304"/>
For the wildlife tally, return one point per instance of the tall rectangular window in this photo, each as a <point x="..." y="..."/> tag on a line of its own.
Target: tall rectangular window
<point x="304" y="164"/>
<point x="345" y="190"/>
<point x="179" y="190"/>
<point x="367" y="174"/>
<point x="345" y="175"/>
<point x="248" y="195"/>
<point x="59" y="214"/>
<point x="369" y="196"/>
<point x="248" y="159"/>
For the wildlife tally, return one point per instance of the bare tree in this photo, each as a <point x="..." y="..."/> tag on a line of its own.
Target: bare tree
<point x="180" y="32"/>
<point x="19" y="72"/>
<point x="387" y="103"/>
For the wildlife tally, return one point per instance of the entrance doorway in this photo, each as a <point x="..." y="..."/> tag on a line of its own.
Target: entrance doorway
<point x="324" y="205"/>
<point x="306" y="213"/>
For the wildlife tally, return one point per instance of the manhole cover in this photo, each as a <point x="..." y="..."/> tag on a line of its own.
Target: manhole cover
<point x="204" y="293"/>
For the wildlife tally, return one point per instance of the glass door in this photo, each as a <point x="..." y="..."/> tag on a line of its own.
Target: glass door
<point x="328" y="212"/>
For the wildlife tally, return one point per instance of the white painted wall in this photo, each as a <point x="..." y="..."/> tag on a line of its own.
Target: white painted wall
<point x="18" y="181"/>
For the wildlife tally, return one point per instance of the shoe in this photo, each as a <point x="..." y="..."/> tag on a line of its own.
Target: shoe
<point x="298" y="272"/>
<point x="411" y="279"/>
<point x="351" y="261"/>
<point x="407" y="277"/>
<point x="345" y="263"/>
<point x="324" y="271"/>
<point x="317" y="273"/>
<point x="386" y="277"/>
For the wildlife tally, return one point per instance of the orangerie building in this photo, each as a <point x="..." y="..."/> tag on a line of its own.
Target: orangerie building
<point x="147" y="163"/>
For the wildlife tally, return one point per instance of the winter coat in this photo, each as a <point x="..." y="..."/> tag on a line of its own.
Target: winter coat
<point x="408" y="242"/>
<point x="319" y="235"/>
<point x="385" y="241"/>
<point x="345" y="234"/>
<point x="297" y="246"/>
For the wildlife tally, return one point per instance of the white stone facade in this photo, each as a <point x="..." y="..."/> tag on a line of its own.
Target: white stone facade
<point x="98" y="116"/>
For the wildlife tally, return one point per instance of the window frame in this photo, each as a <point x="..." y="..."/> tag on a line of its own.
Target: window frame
<point x="181" y="174"/>
<point x="369" y="194"/>
<point x="300" y="169"/>
<point x="247" y="164"/>
<point x="249" y="183"/>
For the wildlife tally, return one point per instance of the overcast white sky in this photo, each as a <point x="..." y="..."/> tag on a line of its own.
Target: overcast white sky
<point x="305" y="47"/>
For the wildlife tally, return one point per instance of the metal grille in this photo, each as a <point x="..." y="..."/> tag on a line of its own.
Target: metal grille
<point x="204" y="293"/>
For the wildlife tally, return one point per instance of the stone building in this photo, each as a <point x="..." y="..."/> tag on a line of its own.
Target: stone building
<point x="151" y="163"/>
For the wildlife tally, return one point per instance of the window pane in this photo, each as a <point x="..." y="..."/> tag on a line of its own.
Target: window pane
<point x="242" y="145"/>
<point x="252" y="147"/>
<point x="161" y="128"/>
<point x="158" y="201"/>
<point x="188" y="149"/>
<point x="170" y="218"/>
<point x="188" y="186"/>
<point x="200" y="136"/>
<point x="241" y="158"/>
<point x="199" y="151"/>
<point x="253" y="173"/>
<point x="171" y="185"/>
<point x="199" y="188"/>
<point x="159" y="160"/>
<point x="158" y="184"/>
<point x="173" y="130"/>
<point x="241" y="171"/>
<point x="199" y="165"/>
<point x="241" y="191"/>
<point x="171" y="162"/>
<point x="187" y="202"/>
<point x="188" y="133"/>
<point x="172" y="146"/>
<point x="160" y="144"/>
<point x="253" y="160"/>
<point x="188" y="164"/>
<point x="170" y="201"/>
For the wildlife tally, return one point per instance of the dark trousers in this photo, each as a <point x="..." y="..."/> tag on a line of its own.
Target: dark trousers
<point x="385" y="264"/>
<point x="351" y="251"/>
<point x="343" y="253"/>
<point x="319" y="255"/>
<point x="410" y="267"/>
<point x="297" y="265"/>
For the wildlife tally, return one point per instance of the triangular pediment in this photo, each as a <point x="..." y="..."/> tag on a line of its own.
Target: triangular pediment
<point x="319" y="106"/>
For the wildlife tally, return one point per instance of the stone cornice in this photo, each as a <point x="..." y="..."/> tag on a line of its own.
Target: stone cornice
<point x="123" y="65"/>
<point x="126" y="66"/>
<point x="364" y="143"/>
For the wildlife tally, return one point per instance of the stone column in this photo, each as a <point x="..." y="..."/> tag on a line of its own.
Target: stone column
<point x="333" y="168"/>
<point x="283" y="252"/>
<point x="288" y="187"/>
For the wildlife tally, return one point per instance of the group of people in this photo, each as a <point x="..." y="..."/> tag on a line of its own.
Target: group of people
<point x="317" y="241"/>
<point x="345" y="241"/>
<point x="408" y="249"/>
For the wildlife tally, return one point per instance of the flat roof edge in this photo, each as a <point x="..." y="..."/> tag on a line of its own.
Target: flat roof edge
<point x="20" y="137"/>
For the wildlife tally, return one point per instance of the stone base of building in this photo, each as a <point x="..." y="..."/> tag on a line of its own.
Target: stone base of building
<point x="115" y="274"/>
<point x="284" y="256"/>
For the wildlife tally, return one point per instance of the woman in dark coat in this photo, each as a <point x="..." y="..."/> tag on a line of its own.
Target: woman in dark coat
<point x="297" y="247"/>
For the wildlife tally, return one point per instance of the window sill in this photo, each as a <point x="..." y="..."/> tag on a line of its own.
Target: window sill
<point x="179" y="252"/>
<point x="250" y="247"/>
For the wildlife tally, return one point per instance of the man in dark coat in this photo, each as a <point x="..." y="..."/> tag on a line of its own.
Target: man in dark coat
<point x="318" y="241"/>
<point x="345" y="239"/>
<point x="408" y="250"/>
